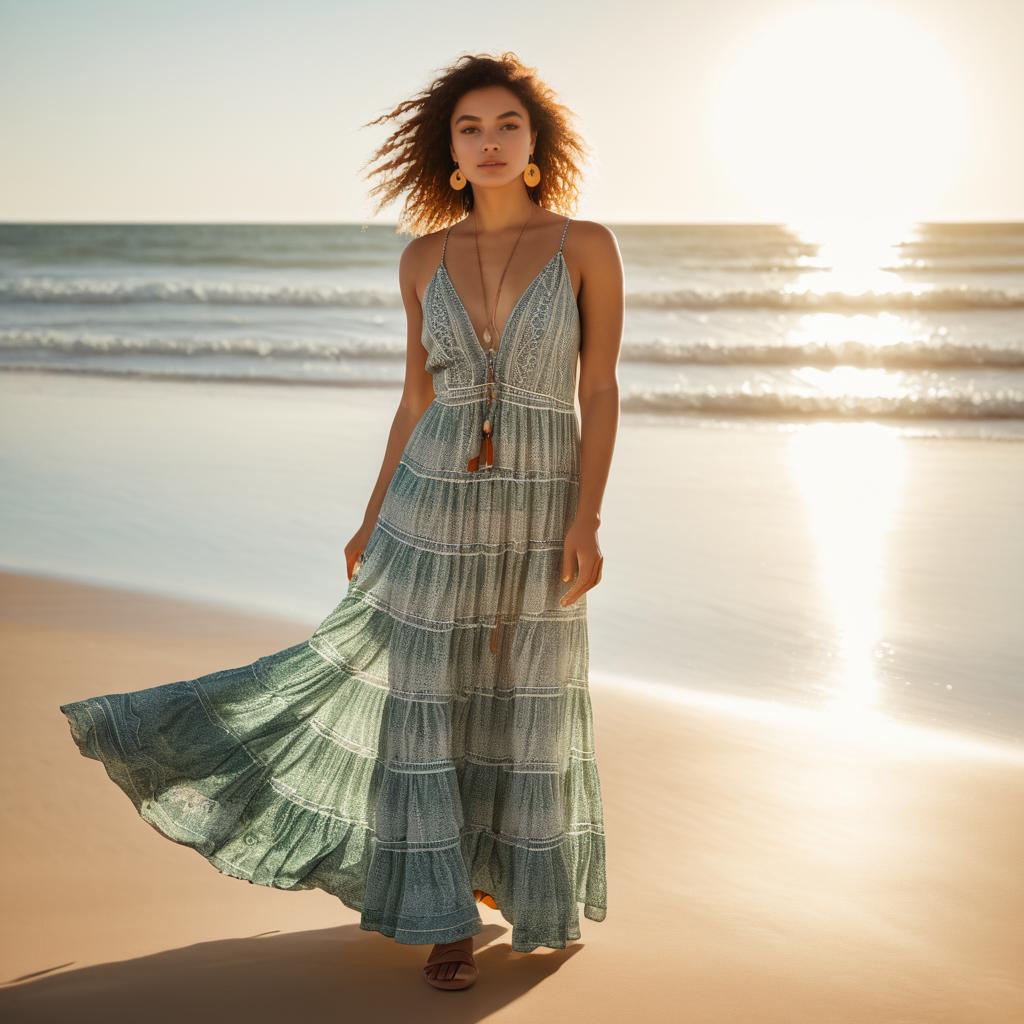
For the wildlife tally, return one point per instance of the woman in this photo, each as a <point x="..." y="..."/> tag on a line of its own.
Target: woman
<point x="431" y="745"/>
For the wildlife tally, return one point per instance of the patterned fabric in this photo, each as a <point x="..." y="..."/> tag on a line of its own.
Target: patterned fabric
<point x="431" y="744"/>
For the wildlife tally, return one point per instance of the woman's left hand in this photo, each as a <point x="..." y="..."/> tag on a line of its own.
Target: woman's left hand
<point x="582" y="555"/>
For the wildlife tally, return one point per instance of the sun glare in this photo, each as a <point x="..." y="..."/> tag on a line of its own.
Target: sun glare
<point x="839" y="112"/>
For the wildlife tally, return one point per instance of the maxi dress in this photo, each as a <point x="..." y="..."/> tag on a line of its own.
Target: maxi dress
<point x="430" y="746"/>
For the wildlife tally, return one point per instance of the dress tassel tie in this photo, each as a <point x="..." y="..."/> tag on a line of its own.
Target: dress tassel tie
<point x="485" y="457"/>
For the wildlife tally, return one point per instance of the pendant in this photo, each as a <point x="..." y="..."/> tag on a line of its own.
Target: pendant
<point x="487" y="335"/>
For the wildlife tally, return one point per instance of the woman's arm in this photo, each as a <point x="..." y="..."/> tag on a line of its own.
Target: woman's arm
<point x="601" y="303"/>
<point x="417" y="393"/>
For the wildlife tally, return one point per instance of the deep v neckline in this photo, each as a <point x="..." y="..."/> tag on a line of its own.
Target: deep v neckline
<point x="515" y="309"/>
<point x="481" y="352"/>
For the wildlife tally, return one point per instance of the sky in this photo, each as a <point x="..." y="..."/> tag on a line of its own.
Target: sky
<point x="726" y="111"/>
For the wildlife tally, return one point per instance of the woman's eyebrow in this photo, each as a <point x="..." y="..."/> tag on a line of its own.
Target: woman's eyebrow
<point x="473" y="117"/>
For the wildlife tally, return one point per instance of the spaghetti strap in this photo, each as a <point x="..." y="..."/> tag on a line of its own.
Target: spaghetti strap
<point x="445" y="245"/>
<point x="564" y="230"/>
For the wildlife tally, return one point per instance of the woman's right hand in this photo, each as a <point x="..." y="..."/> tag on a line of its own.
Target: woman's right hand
<point x="356" y="546"/>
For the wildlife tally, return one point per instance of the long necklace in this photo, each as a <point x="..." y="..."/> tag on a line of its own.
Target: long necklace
<point x="485" y="456"/>
<point x="491" y="330"/>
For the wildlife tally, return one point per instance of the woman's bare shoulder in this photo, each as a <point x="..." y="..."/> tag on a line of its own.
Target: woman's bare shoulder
<point x="418" y="262"/>
<point x="593" y="249"/>
<point x="592" y="234"/>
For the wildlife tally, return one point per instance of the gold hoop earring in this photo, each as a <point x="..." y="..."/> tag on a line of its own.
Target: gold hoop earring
<point x="532" y="173"/>
<point x="457" y="179"/>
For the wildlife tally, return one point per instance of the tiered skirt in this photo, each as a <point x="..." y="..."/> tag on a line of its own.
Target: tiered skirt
<point x="400" y="758"/>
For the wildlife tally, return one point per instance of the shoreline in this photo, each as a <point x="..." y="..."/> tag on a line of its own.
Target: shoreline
<point x="802" y="566"/>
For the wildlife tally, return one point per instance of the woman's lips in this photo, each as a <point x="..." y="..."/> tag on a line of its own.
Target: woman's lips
<point x="500" y="163"/>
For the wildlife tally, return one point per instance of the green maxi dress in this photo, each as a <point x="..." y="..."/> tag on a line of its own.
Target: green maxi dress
<point x="431" y="745"/>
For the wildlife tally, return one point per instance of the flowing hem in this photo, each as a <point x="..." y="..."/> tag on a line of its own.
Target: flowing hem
<point x="400" y="927"/>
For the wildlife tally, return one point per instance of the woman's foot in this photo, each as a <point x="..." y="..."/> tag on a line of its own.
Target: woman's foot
<point x="451" y="965"/>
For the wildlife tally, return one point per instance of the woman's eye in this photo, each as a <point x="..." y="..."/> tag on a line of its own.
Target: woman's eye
<point x="470" y="128"/>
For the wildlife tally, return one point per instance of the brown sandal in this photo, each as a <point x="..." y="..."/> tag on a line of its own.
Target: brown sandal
<point x="455" y="955"/>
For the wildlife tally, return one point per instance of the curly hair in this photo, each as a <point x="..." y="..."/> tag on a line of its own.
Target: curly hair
<point x="417" y="158"/>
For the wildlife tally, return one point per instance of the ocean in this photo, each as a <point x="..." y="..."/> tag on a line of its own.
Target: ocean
<point x="924" y="330"/>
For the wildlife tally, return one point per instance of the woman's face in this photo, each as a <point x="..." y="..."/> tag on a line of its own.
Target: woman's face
<point x="491" y="137"/>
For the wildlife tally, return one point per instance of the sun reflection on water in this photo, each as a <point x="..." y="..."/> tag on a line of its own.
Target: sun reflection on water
<point x="851" y="478"/>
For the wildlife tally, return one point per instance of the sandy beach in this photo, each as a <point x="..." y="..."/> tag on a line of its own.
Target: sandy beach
<point x="761" y="868"/>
